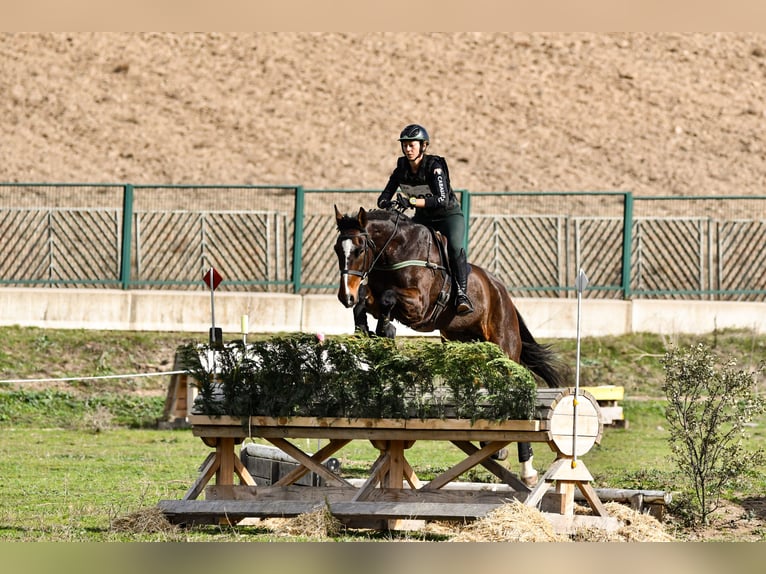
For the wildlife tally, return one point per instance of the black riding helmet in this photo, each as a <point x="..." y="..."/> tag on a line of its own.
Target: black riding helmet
<point x="414" y="132"/>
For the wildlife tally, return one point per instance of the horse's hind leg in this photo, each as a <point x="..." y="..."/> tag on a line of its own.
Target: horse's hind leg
<point x="528" y="473"/>
<point x="385" y="327"/>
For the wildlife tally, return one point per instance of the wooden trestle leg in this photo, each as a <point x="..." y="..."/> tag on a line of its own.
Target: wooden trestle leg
<point x="224" y="464"/>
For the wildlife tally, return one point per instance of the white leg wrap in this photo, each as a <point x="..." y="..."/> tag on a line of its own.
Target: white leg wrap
<point x="528" y="473"/>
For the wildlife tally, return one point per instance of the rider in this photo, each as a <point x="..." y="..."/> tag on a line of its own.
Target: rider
<point x="425" y="185"/>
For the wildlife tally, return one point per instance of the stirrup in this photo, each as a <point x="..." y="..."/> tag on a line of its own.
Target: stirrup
<point x="463" y="304"/>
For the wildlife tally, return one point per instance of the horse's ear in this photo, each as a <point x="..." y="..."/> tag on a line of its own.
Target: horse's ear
<point x="338" y="215"/>
<point x="362" y="218"/>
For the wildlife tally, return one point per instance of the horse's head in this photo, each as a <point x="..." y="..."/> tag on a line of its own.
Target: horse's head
<point x="355" y="256"/>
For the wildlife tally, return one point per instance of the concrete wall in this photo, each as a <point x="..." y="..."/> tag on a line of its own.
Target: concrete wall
<point x="182" y="311"/>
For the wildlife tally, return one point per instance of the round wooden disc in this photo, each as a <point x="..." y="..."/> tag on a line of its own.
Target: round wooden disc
<point x="588" y="427"/>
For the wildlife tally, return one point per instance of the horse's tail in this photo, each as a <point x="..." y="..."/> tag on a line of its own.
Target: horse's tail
<point x="541" y="359"/>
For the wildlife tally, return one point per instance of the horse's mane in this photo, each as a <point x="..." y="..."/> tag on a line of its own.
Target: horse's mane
<point x="350" y="222"/>
<point x="383" y="215"/>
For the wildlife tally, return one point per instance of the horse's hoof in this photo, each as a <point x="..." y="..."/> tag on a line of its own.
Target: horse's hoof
<point x="530" y="479"/>
<point x="501" y="454"/>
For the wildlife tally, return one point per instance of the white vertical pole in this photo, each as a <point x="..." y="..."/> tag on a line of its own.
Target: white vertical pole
<point x="212" y="299"/>
<point x="580" y="284"/>
<point x="212" y="317"/>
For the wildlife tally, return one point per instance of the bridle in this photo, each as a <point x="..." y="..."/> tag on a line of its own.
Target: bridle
<point x="368" y="244"/>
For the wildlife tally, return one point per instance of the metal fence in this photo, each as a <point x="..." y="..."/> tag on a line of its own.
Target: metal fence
<point x="166" y="237"/>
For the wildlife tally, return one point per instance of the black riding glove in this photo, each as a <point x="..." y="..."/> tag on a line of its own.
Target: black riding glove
<point x="402" y="202"/>
<point x="383" y="202"/>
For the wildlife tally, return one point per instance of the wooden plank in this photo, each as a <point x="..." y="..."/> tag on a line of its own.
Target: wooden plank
<point x="609" y="414"/>
<point x="460" y="491"/>
<point x="413" y="510"/>
<point x="593" y="500"/>
<point x="225" y="455"/>
<point x="244" y="474"/>
<point x="207" y="470"/>
<point x="378" y="470"/>
<point x="375" y="434"/>
<point x="395" y="474"/>
<point x="181" y="510"/>
<point x="606" y="392"/>
<point x="563" y="524"/>
<point x="223" y="420"/>
<point x="257" y="422"/>
<point x="480" y="424"/>
<point x="410" y="476"/>
<point x="551" y="501"/>
<point x="536" y="495"/>
<point x="566" y="489"/>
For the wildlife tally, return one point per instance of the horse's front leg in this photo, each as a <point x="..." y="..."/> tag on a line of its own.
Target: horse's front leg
<point x="360" y="312"/>
<point x="385" y="327"/>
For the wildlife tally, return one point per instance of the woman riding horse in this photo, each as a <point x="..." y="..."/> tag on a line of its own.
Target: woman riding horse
<point x="395" y="267"/>
<point x="424" y="181"/>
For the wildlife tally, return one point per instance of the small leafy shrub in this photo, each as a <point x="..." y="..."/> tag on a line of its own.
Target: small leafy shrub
<point x="357" y="377"/>
<point x="709" y="406"/>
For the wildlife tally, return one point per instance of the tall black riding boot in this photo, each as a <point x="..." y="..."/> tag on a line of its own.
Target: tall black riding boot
<point x="463" y="305"/>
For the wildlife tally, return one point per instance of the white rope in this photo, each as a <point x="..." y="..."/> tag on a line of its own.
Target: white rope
<point x="8" y="381"/>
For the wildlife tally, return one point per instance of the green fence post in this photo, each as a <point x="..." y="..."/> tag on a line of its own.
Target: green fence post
<point x="298" y="239"/>
<point x="627" y="240"/>
<point x="127" y="235"/>
<point x="465" y="204"/>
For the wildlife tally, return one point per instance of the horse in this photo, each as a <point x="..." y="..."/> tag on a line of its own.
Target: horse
<point x="395" y="268"/>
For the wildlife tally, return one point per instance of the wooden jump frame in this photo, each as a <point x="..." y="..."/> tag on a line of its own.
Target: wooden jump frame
<point x="393" y="496"/>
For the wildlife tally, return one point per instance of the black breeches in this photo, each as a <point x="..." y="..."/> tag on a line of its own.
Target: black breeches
<point x="452" y="227"/>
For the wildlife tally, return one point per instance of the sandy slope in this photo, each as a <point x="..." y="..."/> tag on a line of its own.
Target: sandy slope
<point x="651" y="113"/>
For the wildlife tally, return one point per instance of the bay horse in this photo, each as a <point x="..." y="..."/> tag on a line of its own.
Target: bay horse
<point x="386" y="257"/>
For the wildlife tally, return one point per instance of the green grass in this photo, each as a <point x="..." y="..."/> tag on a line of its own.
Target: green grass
<point x="74" y="458"/>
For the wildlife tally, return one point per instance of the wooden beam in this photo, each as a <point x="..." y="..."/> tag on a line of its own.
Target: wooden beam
<point x="312" y="463"/>
<point x="494" y="467"/>
<point x="180" y="511"/>
<point x="378" y="470"/>
<point x="207" y="470"/>
<point x="244" y="475"/>
<point x="466" y="464"/>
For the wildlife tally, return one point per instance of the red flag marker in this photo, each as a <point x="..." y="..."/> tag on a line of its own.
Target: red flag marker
<point x="212" y="278"/>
